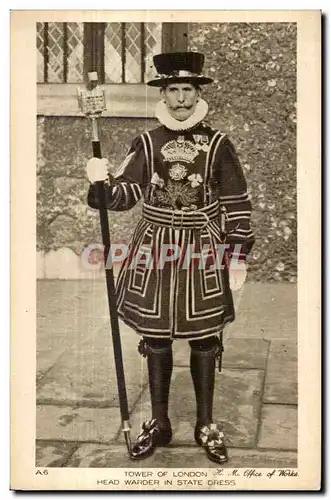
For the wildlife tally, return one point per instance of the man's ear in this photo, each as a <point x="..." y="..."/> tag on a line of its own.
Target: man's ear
<point x="162" y="93"/>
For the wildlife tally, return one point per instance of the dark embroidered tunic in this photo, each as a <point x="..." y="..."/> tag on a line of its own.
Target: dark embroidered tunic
<point x="179" y="171"/>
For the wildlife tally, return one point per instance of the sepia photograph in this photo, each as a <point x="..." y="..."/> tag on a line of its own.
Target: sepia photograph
<point x="167" y="249"/>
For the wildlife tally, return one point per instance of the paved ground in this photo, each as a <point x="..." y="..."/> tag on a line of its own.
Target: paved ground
<point x="78" y="420"/>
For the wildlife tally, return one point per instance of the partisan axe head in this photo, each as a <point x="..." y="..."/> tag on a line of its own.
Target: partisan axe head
<point x="92" y="99"/>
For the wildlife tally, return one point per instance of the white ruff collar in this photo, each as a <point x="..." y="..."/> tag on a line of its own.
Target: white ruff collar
<point x="164" y="117"/>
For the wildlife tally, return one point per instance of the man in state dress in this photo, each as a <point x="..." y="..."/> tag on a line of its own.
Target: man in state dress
<point x="195" y="202"/>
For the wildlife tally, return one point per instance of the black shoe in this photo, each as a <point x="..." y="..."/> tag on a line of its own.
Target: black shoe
<point x="151" y="436"/>
<point x="211" y="437"/>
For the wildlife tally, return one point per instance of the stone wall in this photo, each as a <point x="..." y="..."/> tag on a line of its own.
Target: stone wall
<point x="253" y="99"/>
<point x="65" y="224"/>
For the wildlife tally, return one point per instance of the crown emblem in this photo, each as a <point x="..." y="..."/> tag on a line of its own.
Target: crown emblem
<point x="179" y="151"/>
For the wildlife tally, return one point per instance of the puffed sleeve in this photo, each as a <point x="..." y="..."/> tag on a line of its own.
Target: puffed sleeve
<point x="125" y="188"/>
<point x="234" y="199"/>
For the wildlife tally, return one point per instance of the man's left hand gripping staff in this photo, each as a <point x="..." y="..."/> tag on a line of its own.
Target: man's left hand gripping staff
<point x="120" y="193"/>
<point x="98" y="170"/>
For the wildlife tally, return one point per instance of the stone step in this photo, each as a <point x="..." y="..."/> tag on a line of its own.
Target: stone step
<point x="59" y="454"/>
<point x="246" y="425"/>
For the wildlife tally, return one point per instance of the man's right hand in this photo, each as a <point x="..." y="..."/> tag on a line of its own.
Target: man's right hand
<point x="97" y="169"/>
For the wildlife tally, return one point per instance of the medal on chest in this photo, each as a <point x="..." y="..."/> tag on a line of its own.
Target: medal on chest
<point x="201" y="142"/>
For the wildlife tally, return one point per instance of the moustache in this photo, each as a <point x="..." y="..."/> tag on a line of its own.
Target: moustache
<point x="182" y="107"/>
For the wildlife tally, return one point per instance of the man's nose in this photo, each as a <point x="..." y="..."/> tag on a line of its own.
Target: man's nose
<point x="181" y="97"/>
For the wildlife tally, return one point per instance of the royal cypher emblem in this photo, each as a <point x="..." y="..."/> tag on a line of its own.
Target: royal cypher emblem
<point x="179" y="151"/>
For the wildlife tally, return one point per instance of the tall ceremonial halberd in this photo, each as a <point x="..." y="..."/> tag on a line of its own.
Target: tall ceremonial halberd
<point x="194" y="200"/>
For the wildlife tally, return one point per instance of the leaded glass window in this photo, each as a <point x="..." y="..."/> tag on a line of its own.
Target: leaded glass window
<point x="60" y="53"/>
<point x="129" y="48"/>
<point x="126" y="51"/>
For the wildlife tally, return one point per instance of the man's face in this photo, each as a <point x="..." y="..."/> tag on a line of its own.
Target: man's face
<point x="181" y="99"/>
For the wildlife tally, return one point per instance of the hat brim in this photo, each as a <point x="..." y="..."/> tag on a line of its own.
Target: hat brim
<point x="163" y="82"/>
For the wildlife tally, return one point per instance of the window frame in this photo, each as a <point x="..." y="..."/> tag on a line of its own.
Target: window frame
<point x="132" y="100"/>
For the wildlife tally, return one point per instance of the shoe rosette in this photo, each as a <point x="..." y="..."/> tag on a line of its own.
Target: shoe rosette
<point x="148" y="428"/>
<point x="211" y="436"/>
<point x="150" y="436"/>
